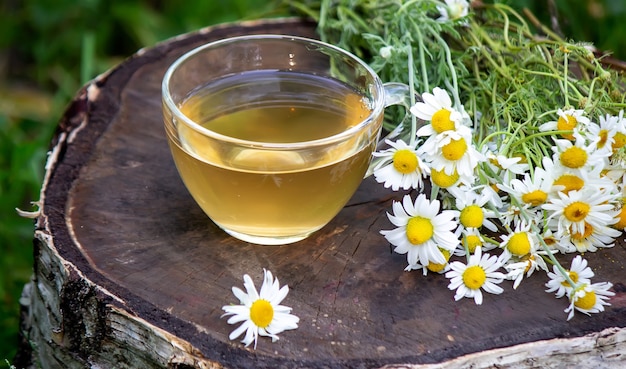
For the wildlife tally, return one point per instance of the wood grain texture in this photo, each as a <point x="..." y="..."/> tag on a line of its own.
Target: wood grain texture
<point x="129" y="273"/>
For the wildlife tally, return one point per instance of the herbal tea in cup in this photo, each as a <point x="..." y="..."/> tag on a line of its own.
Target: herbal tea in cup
<point x="271" y="134"/>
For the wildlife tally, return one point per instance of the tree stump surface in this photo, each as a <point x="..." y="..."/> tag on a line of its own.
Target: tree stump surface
<point x="130" y="273"/>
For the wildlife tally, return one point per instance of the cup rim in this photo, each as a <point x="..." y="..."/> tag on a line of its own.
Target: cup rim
<point x="378" y="105"/>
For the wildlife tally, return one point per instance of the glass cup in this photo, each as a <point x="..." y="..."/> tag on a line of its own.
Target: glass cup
<point x="272" y="134"/>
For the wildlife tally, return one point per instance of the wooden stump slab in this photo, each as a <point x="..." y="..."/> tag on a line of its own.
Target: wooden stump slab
<point x="129" y="272"/>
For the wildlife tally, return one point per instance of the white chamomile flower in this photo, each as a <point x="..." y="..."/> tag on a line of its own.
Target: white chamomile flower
<point x="567" y="120"/>
<point x="422" y="230"/>
<point x="453" y="10"/>
<point x="577" y="208"/>
<point x="532" y="190"/>
<point x="437" y="109"/>
<point x="260" y="313"/>
<point x="578" y="156"/>
<point x="590" y="298"/>
<point x="479" y="273"/>
<point x="473" y="209"/>
<point x="520" y="242"/>
<point x="579" y="273"/>
<point x="519" y="267"/>
<point x="400" y="167"/>
<point x="593" y="237"/>
<point x="604" y="132"/>
<point x="454" y="153"/>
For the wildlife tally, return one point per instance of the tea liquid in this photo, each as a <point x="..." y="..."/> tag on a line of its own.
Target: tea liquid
<point x="273" y="193"/>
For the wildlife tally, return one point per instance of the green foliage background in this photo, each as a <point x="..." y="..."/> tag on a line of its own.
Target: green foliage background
<point x="49" y="48"/>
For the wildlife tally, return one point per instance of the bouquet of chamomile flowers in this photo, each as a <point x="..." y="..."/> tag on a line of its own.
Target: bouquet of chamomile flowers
<point x="513" y="142"/>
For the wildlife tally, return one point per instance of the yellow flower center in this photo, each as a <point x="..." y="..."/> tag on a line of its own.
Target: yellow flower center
<point x="604" y="136"/>
<point x="419" y="230"/>
<point x="454" y="150"/>
<point x="441" y="121"/>
<point x="619" y="140"/>
<point x="570" y="182"/>
<point x="443" y="180"/>
<point x="587" y="301"/>
<point x="434" y="267"/>
<point x="574" y="157"/>
<point x="566" y="124"/>
<point x="474" y="277"/>
<point x="473" y="241"/>
<point x="573" y="276"/>
<point x="405" y="161"/>
<point x="576" y="211"/>
<point x="577" y="236"/>
<point x="472" y="216"/>
<point x="519" y="244"/>
<point x="535" y="198"/>
<point x="261" y="313"/>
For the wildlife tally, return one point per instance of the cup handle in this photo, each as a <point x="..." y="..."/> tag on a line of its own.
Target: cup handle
<point x="396" y="94"/>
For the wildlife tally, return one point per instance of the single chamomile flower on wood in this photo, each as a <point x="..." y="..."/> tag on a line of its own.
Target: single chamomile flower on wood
<point x="422" y="230"/>
<point x="590" y="298"/>
<point x="260" y="312"/>
<point x="400" y="167"/>
<point x="480" y="273"/>
<point x="579" y="273"/>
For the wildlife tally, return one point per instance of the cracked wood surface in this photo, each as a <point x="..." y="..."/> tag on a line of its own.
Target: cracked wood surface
<point x="130" y="271"/>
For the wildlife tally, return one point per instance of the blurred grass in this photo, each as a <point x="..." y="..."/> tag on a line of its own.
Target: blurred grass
<point x="49" y="48"/>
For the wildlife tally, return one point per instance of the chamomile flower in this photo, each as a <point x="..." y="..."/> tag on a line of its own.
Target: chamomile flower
<point x="422" y="230"/>
<point x="479" y="273"/>
<point x="577" y="208"/>
<point x="567" y="120"/>
<point x="260" y="312"/>
<point x="590" y="298"/>
<point x="593" y="237"/>
<point x="474" y="211"/>
<point x="452" y="154"/>
<point x="578" y="156"/>
<point x="604" y="132"/>
<point x="453" y="10"/>
<point x="400" y="167"/>
<point x="532" y="190"/>
<point x="519" y="243"/>
<point x="436" y="108"/>
<point x="579" y="273"/>
<point x="517" y="268"/>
